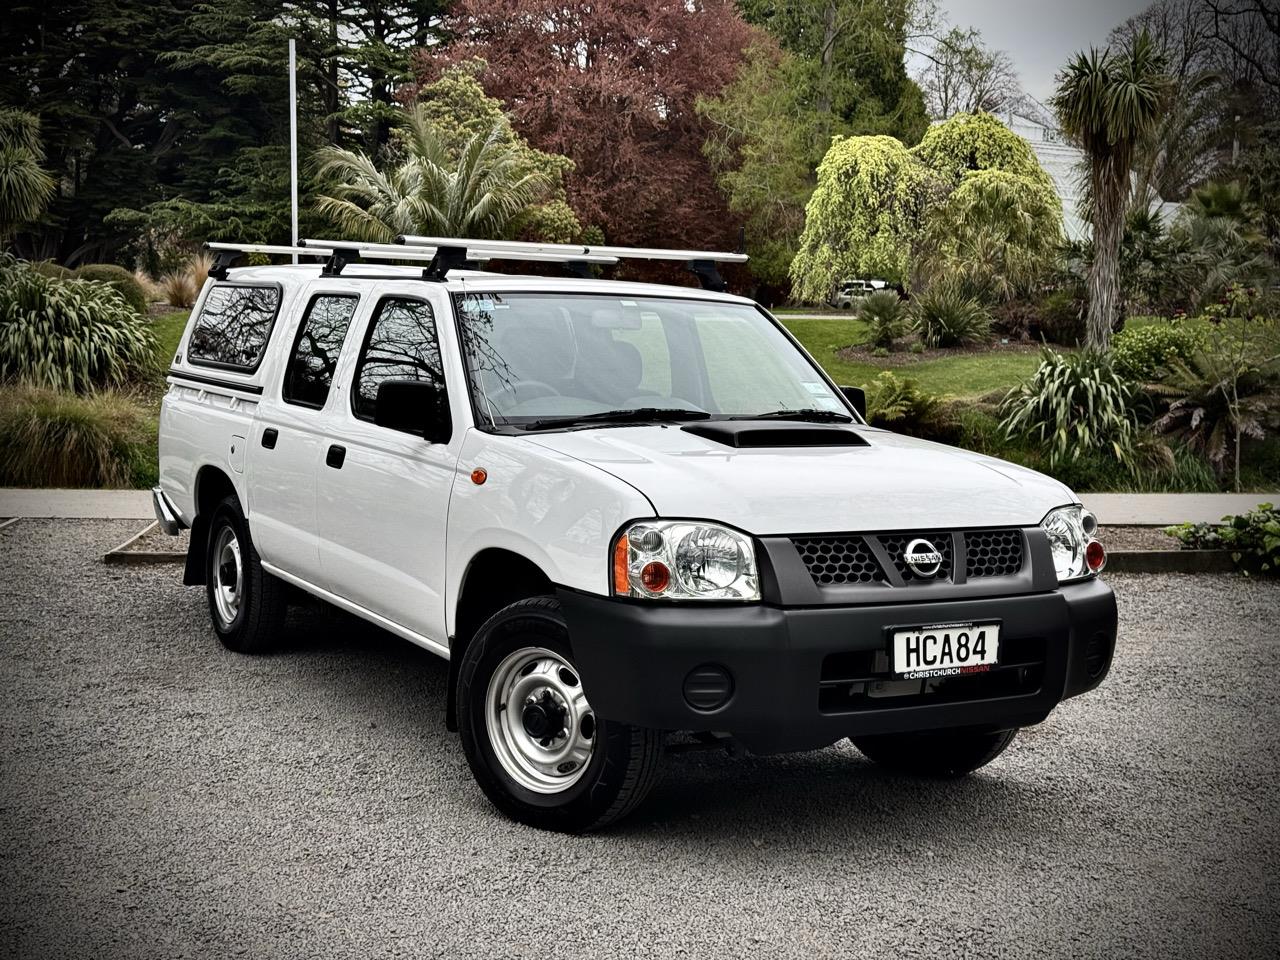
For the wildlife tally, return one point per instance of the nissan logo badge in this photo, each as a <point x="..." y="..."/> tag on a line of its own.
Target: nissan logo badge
<point x="923" y="558"/>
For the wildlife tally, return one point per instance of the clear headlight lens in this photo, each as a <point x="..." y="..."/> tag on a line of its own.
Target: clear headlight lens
<point x="1070" y="529"/>
<point x="684" y="560"/>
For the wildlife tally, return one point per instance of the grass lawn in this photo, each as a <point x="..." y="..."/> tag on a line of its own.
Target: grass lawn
<point x="969" y="375"/>
<point x="168" y="329"/>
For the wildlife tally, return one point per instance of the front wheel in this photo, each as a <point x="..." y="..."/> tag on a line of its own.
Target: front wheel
<point x="946" y="754"/>
<point x="535" y="745"/>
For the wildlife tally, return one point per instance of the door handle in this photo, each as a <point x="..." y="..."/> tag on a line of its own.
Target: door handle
<point x="269" y="437"/>
<point x="336" y="456"/>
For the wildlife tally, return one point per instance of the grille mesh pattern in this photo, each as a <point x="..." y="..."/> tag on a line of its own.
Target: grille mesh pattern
<point x="834" y="560"/>
<point x="993" y="553"/>
<point x="895" y="544"/>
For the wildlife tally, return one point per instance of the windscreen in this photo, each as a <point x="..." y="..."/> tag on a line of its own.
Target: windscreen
<point x="537" y="356"/>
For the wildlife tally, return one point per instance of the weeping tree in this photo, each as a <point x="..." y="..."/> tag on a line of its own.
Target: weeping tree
<point x="863" y="217"/>
<point x="997" y="234"/>
<point x="25" y="188"/>
<point x="480" y="190"/>
<point x="1108" y="102"/>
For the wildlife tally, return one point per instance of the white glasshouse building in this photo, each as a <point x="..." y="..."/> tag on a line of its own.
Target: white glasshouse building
<point x="1062" y="162"/>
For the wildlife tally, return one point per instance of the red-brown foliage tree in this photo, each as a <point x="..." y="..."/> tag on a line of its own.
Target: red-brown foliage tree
<point x="612" y="84"/>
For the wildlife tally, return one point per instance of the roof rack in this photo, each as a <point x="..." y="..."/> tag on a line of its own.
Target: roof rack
<point x="451" y="253"/>
<point x="701" y="263"/>
<point x="345" y="251"/>
<point x="225" y="254"/>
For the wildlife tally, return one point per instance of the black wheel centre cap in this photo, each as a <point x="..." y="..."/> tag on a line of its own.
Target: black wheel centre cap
<point x="544" y="718"/>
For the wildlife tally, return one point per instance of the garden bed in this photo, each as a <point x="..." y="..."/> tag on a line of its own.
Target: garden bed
<point x="902" y="356"/>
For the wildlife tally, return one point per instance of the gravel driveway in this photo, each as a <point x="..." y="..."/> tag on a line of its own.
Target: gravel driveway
<point x="162" y="797"/>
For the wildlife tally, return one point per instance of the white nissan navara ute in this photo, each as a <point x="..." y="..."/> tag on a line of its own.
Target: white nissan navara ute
<point x="622" y="511"/>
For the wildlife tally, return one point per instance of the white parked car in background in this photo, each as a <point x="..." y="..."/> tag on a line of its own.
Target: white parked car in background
<point x="852" y="292"/>
<point x="620" y="510"/>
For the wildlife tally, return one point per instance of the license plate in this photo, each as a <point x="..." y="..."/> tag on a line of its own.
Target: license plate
<point x="945" y="650"/>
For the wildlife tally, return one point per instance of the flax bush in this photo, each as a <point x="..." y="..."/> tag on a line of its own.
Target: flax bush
<point x="75" y="335"/>
<point x="1075" y="404"/>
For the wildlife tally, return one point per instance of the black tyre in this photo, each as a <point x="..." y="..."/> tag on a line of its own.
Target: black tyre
<point x="947" y="753"/>
<point x="247" y="604"/>
<point x="554" y="764"/>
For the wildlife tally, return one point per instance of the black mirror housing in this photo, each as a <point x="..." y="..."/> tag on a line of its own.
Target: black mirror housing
<point x="414" y="406"/>
<point x="857" y="398"/>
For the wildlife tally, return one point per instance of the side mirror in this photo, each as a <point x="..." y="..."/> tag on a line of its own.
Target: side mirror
<point x="857" y="398"/>
<point x="414" y="406"/>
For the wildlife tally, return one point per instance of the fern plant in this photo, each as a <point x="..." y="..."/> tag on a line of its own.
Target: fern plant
<point x="900" y="404"/>
<point x="74" y="335"/>
<point x="1074" y="403"/>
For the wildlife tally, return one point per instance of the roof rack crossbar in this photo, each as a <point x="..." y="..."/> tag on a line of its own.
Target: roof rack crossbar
<point x="225" y="254"/>
<point x="700" y="263"/>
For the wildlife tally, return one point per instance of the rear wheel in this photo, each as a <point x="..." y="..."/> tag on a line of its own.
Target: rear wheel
<point x="247" y="604"/>
<point x="947" y="753"/>
<point x="535" y="745"/>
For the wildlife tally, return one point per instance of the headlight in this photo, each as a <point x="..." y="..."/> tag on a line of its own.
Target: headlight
<point x="684" y="560"/>
<point x="1070" y="531"/>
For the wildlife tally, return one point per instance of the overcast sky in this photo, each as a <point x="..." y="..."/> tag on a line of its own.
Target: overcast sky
<point x="1040" y="34"/>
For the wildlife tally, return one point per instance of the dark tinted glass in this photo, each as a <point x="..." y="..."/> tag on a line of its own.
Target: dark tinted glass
<point x="233" y="326"/>
<point x="315" y="355"/>
<point x="401" y="345"/>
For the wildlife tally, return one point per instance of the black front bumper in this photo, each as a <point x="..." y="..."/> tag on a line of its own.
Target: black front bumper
<point x="803" y="677"/>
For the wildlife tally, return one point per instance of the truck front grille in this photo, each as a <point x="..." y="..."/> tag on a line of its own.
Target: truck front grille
<point x="853" y="559"/>
<point x="839" y="560"/>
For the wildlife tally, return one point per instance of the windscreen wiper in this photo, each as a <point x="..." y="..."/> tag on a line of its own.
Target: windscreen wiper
<point x="634" y="415"/>
<point x="810" y="414"/>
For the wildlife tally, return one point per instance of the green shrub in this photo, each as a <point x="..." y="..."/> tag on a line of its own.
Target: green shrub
<point x="885" y="315"/>
<point x="1073" y="404"/>
<point x="1144" y="354"/>
<point x="1253" y="538"/>
<point x="47" y="268"/>
<point x="1062" y="316"/>
<point x="69" y="334"/>
<point x="120" y="278"/>
<point x="54" y="439"/>
<point x="901" y="405"/>
<point x="946" y="317"/>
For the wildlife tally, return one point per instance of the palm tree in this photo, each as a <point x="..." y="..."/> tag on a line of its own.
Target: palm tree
<point x="25" y="188"/>
<point x="1108" y="103"/>
<point x="480" y="193"/>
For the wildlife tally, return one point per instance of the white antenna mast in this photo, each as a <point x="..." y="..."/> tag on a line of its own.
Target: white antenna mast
<point x="293" y="140"/>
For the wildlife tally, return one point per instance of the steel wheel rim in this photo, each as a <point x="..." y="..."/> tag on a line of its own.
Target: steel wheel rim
<point x="228" y="574"/>
<point x="539" y="677"/>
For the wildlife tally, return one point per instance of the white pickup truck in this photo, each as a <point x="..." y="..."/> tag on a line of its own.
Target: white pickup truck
<point x="621" y="511"/>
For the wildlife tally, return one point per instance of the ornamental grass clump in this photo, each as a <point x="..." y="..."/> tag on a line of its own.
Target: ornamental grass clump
<point x="54" y="439"/>
<point x="1074" y="404"/>
<point x="947" y="317"/>
<point x="76" y="335"/>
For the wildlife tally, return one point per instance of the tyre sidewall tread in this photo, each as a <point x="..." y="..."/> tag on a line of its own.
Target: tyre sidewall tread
<point x="264" y="599"/>
<point x="623" y="768"/>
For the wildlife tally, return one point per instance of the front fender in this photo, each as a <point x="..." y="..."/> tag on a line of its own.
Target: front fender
<point x="547" y="507"/>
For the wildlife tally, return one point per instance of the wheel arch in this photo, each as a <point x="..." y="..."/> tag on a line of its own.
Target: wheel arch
<point x="212" y="485"/>
<point x="494" y="578"/>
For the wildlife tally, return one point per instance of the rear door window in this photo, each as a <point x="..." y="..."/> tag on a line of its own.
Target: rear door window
<point x="234" y="326"/>
<point x="315" y="352"/>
